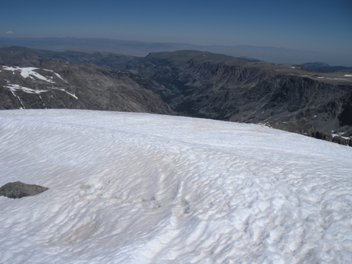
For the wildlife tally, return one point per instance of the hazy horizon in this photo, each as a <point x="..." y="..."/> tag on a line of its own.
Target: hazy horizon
<point x="143" y="48"/>
<point x="7" y="36"/>
<point x="322" y="26"/>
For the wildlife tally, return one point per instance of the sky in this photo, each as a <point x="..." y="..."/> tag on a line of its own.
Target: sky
<point x="309" y="25"/>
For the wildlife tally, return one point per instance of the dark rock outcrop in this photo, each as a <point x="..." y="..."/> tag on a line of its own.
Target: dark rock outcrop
<point x="15" y="190"/>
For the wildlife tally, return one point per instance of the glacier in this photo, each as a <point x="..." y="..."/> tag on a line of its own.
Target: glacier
<point x="147" y="188"/>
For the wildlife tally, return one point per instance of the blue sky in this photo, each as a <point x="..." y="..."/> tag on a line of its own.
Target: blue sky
<point x="311" y="25"/>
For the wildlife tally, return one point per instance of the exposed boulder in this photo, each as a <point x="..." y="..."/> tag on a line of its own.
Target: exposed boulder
<point x="15" y="190"/>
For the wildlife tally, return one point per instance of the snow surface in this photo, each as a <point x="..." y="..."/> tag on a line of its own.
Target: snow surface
<point x="142" y="188"/>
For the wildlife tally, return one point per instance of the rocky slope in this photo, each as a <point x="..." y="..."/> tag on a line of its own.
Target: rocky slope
<point x="189" y="83"/>
<point x="42" y="81"/>
<point x="221" y="87"/>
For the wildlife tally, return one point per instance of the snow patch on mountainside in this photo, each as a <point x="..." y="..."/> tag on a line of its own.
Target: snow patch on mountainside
<point x="30" y="72"/>
<point x="142" y="188"/>
<point x="27" y="72"/>
<point x="16" y="87"/>
<point x="340" y="134"/>
<point x="70" y="94"/>
<point x="56" y="74"/>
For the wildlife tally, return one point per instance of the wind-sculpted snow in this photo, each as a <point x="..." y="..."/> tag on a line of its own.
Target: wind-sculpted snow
<point x="140" y="188"/>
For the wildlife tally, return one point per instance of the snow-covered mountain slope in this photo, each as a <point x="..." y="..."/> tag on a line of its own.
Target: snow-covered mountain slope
<point x="141" y="188"/>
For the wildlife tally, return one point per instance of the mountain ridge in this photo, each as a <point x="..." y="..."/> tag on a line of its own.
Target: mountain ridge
<point x="192" y="83"/>
<point x="142" y="48"/>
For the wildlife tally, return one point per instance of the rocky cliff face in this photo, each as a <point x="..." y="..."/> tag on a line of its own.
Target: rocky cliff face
<point x="186" y="82"/>
<point x="211" y="86"/>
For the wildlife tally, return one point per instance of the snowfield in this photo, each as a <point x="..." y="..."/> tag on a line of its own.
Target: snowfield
<point x="142" y="188"/>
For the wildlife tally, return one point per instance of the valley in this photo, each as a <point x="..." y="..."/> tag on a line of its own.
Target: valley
<point x="189" y="83"/>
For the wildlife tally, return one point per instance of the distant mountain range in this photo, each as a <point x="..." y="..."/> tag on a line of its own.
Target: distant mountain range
<point x="189" y="83"/>
<point x="139" y="48"/>
<point x="323" y="67"/>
